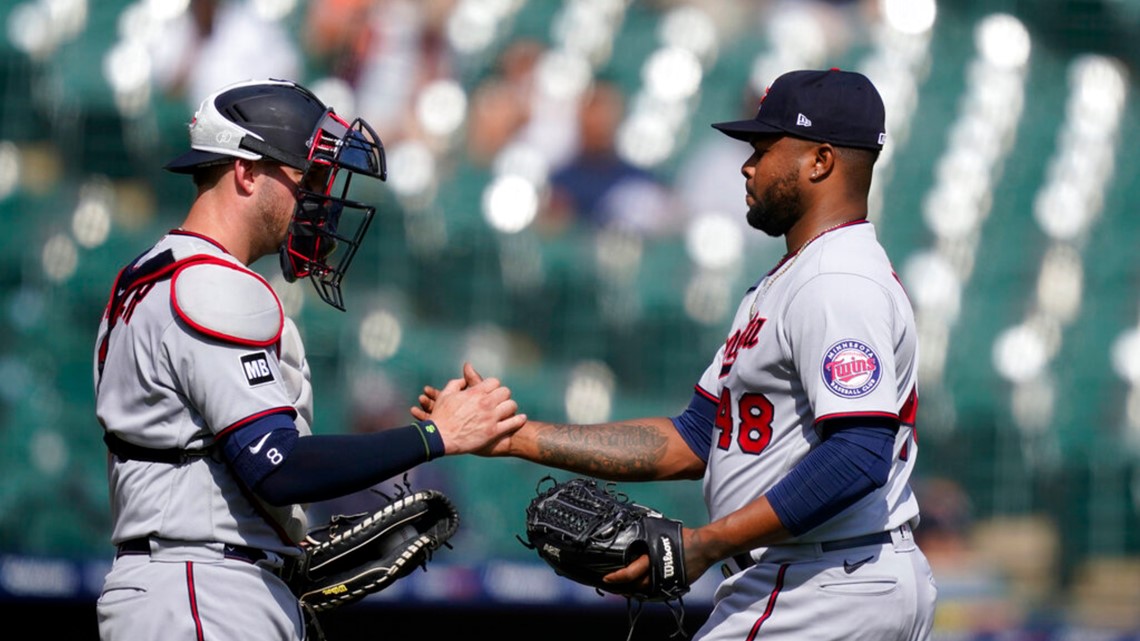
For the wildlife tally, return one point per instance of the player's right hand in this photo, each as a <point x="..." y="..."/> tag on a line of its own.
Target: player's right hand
<point x="473" y="414"/>
<point x="427" y="398"/>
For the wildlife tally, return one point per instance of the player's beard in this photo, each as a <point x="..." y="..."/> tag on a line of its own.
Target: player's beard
<point x="779" y="208"/>
<point x="273" y="219"/>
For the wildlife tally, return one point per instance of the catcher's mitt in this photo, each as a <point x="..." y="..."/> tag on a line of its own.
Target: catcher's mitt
<point x="585" y="530"/>
<point x="356" y="555"/>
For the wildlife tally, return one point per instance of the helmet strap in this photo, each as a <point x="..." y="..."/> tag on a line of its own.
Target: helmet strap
<point x="286" y="263"/>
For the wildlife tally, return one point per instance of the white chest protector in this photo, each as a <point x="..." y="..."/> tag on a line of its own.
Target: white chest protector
<point x="227" y="301"/>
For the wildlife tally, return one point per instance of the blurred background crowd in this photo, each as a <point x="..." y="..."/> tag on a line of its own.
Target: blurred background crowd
<point x="559" y="212"/>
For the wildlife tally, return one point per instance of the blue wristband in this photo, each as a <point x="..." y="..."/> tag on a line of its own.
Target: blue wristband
<point x="433" y="440"/>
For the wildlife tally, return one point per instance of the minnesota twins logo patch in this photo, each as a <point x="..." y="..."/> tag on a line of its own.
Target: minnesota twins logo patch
<point x="851" y="369"/>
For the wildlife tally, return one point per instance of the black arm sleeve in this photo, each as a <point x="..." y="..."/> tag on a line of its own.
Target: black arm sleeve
<point x="322" y="467"/>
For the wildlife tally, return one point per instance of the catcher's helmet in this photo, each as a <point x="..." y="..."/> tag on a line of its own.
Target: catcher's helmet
<point x="282" y="121"/>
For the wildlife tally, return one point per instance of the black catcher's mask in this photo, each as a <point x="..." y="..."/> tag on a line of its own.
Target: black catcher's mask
<point x="282" y="121"/>
<point x="327" y="226"/>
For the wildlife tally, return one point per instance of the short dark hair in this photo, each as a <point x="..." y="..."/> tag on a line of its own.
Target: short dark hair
<point x="862" y="164"/>
<point x="856" y="155"/>
<point x="207" y="176"/>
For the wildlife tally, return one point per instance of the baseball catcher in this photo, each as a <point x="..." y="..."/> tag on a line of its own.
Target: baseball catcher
<point x="353" y="556"/>
<point x="586" y="530"/>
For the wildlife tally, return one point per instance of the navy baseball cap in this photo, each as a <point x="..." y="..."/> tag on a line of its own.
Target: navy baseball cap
<point x="839" y="107"/>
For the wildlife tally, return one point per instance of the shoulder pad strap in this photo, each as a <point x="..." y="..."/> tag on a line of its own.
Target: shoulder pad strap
<point x="228" y="302"/>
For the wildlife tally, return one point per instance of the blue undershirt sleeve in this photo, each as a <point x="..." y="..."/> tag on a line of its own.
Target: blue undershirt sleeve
<point x="853" y="460"/>
<point x="695" y="424"/>
<point x="285" y="468"/>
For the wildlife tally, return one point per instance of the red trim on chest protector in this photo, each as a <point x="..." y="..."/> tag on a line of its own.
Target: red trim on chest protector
<point x="132" y="282"/>
<point x="214" y="333"/>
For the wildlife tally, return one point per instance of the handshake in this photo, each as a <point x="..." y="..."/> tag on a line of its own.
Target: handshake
<point x="474" y="415"/>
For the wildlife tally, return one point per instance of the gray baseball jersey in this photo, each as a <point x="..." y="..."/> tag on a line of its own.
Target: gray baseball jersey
<point x="828" y="333"/>
<point x="193" y="356"/>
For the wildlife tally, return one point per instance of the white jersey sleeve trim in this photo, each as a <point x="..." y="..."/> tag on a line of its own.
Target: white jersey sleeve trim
<point x="228" y="302"/>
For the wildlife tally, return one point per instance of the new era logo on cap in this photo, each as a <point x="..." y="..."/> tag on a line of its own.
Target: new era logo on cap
<point x="846" y="110"/>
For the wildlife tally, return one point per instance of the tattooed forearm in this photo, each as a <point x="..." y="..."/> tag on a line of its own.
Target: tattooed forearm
<point x="625" y="452"/>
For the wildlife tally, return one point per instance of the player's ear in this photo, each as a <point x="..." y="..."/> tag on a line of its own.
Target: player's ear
<point x="245" y="173"/>
<point x="822" y="161"/>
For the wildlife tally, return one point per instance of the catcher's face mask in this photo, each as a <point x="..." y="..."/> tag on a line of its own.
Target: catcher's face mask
<point x="327" y="226"/>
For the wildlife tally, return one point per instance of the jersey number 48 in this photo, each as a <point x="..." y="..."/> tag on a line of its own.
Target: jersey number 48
<point x="755" y="421"/>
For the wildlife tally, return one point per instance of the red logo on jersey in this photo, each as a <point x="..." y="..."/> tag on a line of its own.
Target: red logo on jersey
<point x="851" y="369"/>
<point x="740" y="339"/>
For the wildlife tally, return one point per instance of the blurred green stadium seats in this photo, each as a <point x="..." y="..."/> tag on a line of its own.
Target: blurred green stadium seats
<point x="1080" y="469"/>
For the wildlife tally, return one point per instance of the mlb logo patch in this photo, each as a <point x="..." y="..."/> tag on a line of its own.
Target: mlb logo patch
<point x="851" y="369"/>
<point x="256" y="368"/>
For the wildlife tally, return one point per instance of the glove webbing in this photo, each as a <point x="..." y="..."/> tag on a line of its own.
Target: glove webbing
<point x="676" y="608"/>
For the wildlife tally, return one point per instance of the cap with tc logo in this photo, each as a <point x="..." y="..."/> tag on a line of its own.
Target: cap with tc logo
<point x="839" y="107"/>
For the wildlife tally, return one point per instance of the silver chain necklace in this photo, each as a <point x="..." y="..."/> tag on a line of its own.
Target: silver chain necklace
<point x="770" y="280"/>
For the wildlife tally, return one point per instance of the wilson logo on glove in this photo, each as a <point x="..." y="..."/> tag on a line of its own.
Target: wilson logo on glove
<point x="667" y="557"/>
